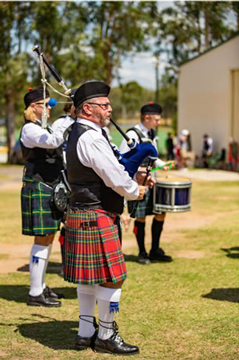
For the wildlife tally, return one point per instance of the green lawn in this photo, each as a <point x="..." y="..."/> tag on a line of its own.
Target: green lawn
<point x="187" y="309"/>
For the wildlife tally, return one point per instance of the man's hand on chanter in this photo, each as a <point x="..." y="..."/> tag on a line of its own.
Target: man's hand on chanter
<point x="140" y="176"/>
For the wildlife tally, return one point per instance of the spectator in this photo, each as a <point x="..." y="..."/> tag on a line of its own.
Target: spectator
<point x="207" y="148"/>
<point x="233" y="152"/>
<point x="183" y="148"/>
<point x="170" y="147"/>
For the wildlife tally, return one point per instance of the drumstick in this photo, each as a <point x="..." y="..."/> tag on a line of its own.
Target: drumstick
<point x="161" y="167"/>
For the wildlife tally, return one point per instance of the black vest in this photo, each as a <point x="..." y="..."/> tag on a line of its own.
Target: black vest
<point x="42" y="164"/>
<point x="88" y="191"/>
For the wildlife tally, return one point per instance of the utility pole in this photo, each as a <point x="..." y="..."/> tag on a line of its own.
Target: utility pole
<point x="157" y="62"/>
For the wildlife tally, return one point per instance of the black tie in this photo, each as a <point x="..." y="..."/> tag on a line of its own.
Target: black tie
<point x="151" y="134"/>
<point x="105" y="135"/>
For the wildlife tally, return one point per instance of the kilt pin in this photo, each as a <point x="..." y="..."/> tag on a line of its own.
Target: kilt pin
<point x="93" y="254"/>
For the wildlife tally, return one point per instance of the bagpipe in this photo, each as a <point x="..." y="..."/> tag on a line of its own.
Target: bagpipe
<point x="137" y="154"/>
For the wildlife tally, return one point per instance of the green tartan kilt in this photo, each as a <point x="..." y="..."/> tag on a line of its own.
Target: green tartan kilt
<point x="38" y="217"/>
<point x="93" y="253"/>
<point x="145" y="206"/>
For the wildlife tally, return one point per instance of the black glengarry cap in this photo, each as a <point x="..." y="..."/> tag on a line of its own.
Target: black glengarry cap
<point x="34" y="95"/>
<point x="151" y="109"/>
<point x="89" y="90"/>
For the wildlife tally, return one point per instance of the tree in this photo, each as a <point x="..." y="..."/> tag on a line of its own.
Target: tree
<point x="235" y="9"/>
<point x="20" y="69"/>
<point x="117" y="28"/>
<point x="86" y="40"/>
<point x="192" y="27"/>
<point x="131" y="97"/>
<point x="12" y="71"/>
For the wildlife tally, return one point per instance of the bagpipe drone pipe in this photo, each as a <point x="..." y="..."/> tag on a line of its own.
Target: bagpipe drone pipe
<point x="137" y="153"/>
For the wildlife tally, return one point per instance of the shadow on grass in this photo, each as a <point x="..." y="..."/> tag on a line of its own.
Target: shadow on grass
<point x="54" y="334"/>
<point x="132" y="258"/>
<point x="232" y="252"/>
<point x="226" y="294"/>
<point x="19" y="293"/>
<point x="52" y="268"/>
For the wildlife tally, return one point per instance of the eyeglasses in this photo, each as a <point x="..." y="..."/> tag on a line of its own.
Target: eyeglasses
<point x="103" y="106"/>
<point x="39" y="103"/>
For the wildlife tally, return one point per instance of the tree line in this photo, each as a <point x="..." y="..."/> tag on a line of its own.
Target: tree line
<point x="86" y="40"/>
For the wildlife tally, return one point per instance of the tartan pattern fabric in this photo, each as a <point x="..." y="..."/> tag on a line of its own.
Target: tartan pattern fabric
<point x="37" y="216"/>
<point x="145" y="206"/>
<point x="93" y="254"/>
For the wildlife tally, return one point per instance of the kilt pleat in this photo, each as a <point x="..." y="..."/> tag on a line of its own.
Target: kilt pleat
<point x="38" y="218"/>
<point x="145" y="206"/>
<point x="93" y="254"/>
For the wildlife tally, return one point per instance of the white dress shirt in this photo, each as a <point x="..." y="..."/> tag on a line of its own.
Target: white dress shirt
<point x="61" y="122"/>
<point x="133" y="135"/>
<point x="32" y="135"/>
<point x="95" y="152"/>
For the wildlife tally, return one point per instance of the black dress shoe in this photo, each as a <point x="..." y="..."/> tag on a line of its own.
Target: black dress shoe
<point x="85" y="343"/>
<point x="115" y="345"/>
<point x="143" y="258"/>
<point x="41" y="300"/>
<point x="159" y="255"/>
<point x="49" y="293"/>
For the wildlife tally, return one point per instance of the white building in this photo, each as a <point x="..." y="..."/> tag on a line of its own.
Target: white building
<point x="208" y="95"/>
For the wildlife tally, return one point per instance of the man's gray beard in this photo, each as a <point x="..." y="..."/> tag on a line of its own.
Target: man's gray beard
<point x="104" y="122"/>
<point x="107" y="121"/>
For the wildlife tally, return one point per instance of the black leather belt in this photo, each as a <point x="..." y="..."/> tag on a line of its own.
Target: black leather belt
<point x="86" y="224"/>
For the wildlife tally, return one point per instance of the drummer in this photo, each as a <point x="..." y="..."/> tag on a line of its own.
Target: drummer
<point x="145" y="131"/>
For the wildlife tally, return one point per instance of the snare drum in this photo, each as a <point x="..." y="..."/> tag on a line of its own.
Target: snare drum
<point x="172" y="194"/>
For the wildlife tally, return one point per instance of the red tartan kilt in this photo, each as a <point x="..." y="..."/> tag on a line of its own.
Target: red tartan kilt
<point x="93" y="254"/>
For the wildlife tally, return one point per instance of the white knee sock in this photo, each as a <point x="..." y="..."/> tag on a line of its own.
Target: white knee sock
<point x="38" y="258"/>
<point x="108" y="304"/>
<point x="49" y="248"/>
<point x="87" y="299"/>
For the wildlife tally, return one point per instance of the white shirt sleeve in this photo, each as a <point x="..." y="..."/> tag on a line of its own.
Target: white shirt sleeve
<point x="159" y="162"/>
<point x="33" y="135"/>
<point x="94" y="151"/>
<point x="61" y="122"/>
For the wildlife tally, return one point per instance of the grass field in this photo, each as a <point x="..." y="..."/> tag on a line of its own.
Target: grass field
<point x="187" y="309"/>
